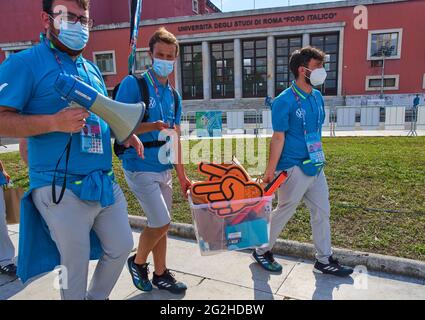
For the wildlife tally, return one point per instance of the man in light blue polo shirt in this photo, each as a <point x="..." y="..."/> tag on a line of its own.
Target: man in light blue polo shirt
<point x="298" y="114"/>
<point x="150" y="180"/>
<point x="74" y="210"/>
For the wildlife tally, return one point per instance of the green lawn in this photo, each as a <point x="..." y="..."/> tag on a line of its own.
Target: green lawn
<point x="377" y="190"/>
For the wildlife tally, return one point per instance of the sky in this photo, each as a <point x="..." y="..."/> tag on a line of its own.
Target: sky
<point x="236" y="5"/>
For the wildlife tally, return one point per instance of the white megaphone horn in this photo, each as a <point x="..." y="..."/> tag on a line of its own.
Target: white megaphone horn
<point x="123" y="118"/>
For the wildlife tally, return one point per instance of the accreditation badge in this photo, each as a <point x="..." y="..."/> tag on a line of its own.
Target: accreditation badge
<point x="91" y="136"/>
<point x="315" y="148"/>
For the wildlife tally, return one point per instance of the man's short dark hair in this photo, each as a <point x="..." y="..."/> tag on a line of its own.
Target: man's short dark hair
<point x="48" y="5"/>
<point x="301" y="58"/>
<point x="163" y="35"/>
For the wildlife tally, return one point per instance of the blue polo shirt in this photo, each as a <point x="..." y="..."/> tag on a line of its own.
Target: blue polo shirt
<point x="129" y="92"/>
<point x="28" y="80"/>
<point x="3" y="180"/>
<point x="287" y="118"/>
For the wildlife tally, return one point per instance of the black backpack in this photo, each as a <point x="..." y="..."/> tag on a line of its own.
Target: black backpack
<point x="144" y="93"/>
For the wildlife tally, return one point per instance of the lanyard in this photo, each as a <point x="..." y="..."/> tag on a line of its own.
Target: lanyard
<point x="159" y="98"/>
<point x="297" y="97"/>
<point x="58" y="60"/>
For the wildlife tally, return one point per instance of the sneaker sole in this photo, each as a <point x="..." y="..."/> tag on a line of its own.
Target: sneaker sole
<point x="332" y="274"/>
<point x="169" y="290"/>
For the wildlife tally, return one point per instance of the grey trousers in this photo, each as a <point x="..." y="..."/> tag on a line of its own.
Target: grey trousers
<point x="154" y="191"/>
<point x="315" y="193"/>
<point x="70" y="223"/>
<point x="7" y="250"/>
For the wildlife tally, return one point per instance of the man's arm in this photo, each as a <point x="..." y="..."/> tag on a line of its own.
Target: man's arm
<point x="276" y="147"/>
<point x="185" y="183"/>
<point x="15" y="125"/>
<point x="151" y="126"/>
<point x="23" y="149"/>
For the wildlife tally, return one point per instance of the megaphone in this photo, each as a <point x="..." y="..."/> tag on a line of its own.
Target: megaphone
<point x="122" y="118"/>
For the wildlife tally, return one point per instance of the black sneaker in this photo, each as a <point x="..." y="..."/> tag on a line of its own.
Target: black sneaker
<point x="139" y="274"/>
<point x="333" y="268"/>
<point x="167" y="281"/>
<point x="9" y="270"/>
<point x="267" y="261"/>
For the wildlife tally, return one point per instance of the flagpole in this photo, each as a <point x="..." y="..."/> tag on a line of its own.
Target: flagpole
<point x="136" y="9"/>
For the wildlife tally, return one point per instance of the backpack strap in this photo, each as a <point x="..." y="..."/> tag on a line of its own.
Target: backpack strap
<point x="176" y="101"/>
<point x="144" y="93"/>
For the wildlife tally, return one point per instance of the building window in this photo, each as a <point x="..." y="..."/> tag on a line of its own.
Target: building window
<point x="195" y="6"/>
<point x="192" y="77"/>
<point x="284" y="48"/>
<point x="143" y="60"/>
<point x="222" y="68"/>
<point x="423" y="82"/>
<point x="105" y="61"/>
<point x="374" y="83"/>
<point x="254" y="68"/>
<point x="384" y="43"/>
<point x="329" y="43"/>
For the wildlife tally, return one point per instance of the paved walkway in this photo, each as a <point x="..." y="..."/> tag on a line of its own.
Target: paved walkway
<point x="230" y="276"/>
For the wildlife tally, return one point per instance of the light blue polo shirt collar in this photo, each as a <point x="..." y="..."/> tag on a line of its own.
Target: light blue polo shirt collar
<point x="62" y="55"/>
<point x="301" y="93"/>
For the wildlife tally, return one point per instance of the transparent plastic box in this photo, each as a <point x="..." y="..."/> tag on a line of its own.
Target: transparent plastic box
<point x="218" y="232"/>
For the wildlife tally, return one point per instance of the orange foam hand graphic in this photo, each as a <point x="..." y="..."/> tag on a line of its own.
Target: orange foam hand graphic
<point x="216" y="171"/>
<point x="226" y="195"/>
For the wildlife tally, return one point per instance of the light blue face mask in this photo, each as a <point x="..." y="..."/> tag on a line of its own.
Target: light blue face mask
<point x="73" y="36"/>
<point x="163" y="68"/>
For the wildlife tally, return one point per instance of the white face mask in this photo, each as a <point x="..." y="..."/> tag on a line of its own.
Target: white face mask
<point x="317" y="76"/>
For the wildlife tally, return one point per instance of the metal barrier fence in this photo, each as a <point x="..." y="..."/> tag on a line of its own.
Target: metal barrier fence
<point x="339" y="118"/>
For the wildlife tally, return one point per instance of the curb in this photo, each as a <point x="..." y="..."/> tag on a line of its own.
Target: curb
<point x="372" y="261"/>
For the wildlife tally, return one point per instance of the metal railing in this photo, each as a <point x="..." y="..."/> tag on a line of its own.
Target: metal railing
<point x="338" y="119"/>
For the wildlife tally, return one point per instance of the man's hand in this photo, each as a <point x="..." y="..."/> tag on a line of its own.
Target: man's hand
<point x="269" y="175"/>
<point x="229" y="188"/>
<point x="6" y="175"/>
<point x="69" y="120"/>
<point x="135" y="142"/>
<point x="185" y="185"/>
<point x="161" y="125"/>
<point x="276" y="148"/>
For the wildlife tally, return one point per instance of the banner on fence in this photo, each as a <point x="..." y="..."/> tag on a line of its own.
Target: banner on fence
<point x="209" y="123"/>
